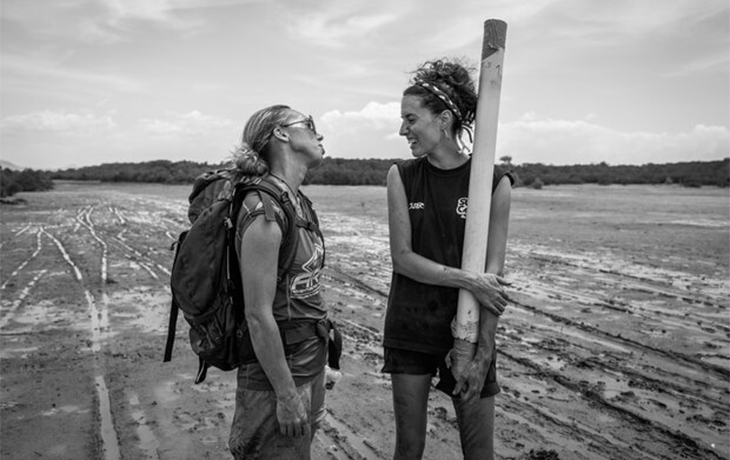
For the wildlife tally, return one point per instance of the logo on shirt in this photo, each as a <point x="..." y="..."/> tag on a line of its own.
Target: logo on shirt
<point x="461" y="206"/>
<point x="306" y="284"/>
<point x="415" y="206"/>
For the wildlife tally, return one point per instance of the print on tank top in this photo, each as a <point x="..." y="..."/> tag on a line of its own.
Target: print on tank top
<point x="306" y="284"/>
<point x="461" y="207"/>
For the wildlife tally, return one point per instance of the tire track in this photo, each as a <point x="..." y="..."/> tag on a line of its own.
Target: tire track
<point x="144" y="261"/>
<point x="39" y="246"/>
<point x="16" y="234"/>
<point x="84" y="218"/>
<point x="357" y="333"/>
<point x="684" y="442"/>
<point x="100" y="322"/>
<point x="350" y="445"/>
<point x="109" y="437"/>
<point x="719" y="372"/>
<point x="7" y="316"/>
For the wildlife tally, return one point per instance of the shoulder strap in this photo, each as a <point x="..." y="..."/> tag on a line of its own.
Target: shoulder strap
<point x="290" y="239"/>
<point x="174" y="308"/>
<point x="312" y="224"/>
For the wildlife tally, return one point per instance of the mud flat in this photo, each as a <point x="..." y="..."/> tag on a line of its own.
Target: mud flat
<point x="617" y="344"/>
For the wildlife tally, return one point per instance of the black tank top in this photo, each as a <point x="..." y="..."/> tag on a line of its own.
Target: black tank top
<point x="419" y="315"/>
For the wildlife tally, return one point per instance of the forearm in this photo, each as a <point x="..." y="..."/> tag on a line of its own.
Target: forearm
<point x="270" y="354"/>
<point x="496" y="251"/>
<point x="427" y="271"/>
<point x="487" y="335"/>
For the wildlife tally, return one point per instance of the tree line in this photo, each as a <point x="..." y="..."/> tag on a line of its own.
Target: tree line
<point x="687" y="174"/>
<point x="340" y="171"/>
<point x="27" y="180"/>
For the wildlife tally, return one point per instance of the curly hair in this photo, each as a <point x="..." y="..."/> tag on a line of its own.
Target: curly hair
<point x="251" y="157"/>
<point x="454" y="80"/>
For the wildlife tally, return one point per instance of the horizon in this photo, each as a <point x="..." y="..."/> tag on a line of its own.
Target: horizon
<point x="13" y="166"/>
<point x="92" y="82"/>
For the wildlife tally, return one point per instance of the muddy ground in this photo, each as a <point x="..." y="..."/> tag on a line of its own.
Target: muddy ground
<point x="616" y="345"/>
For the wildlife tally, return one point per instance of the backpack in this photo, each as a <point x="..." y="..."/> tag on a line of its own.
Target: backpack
<point x="205" y="280"/>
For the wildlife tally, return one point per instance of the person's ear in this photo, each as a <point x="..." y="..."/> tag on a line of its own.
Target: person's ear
<point x="446" y="118"/>
<point x="281" y="134"/>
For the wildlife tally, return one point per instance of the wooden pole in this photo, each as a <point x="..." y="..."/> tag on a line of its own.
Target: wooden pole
<point x="476" y="233"/>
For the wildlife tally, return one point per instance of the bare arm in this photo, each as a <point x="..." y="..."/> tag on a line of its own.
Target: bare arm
<point x="496" y="250"/>
<point x="261" y="243"/>
<point x="486" y="289"/>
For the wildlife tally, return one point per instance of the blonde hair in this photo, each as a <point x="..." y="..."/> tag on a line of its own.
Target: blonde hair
<point x="251" y="157"/>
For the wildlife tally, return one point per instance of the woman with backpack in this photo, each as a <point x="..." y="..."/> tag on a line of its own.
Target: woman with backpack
<point x="280" y="395"/>
<point x="427" y="205"/>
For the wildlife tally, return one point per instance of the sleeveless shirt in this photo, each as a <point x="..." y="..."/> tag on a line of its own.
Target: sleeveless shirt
<point x="298" y="295"/>
<point x="419" y="315"/>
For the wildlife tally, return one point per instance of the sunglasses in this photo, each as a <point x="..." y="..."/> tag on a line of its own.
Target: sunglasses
<point x="309" y="121"/>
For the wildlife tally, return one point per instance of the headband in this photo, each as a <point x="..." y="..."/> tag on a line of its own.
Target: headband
<point x="450" y="104"/>
<point x="441" y="95"/>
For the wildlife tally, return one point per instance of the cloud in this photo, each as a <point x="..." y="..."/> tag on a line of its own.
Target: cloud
<point x="374" y="116"/>
<point x="85" y="138"/>
<point x="106" y="21"/>
<point x="366" y="133"/>
<point x="185" y="125"/>
<point x="339" y="24"/>
<point x="373" y="132"/>
<point x="533" y="139"/>
<point x="19" y="70"/>
<point x="55" y="122"/>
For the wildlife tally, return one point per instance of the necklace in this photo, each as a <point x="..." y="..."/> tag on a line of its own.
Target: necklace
<point x="294" y="196"/>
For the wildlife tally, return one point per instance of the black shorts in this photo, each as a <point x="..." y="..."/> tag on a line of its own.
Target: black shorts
<point x="399" y="361"/>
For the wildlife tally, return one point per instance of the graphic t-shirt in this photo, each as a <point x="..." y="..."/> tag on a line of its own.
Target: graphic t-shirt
<point x="298" y="295"/>
<point x="419" y="315"/>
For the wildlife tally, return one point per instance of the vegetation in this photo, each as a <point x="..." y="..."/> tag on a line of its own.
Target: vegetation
<point x="158" y="171"/>
<point x="28" y="180"/>
<point x="339" y="171"/>
<point x="688" y="174"/>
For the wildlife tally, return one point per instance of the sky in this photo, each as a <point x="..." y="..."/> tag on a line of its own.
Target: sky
<point x="87" y="82"/>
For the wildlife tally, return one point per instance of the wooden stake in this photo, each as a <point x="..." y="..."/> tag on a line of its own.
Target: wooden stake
<point x="476" y="233"/>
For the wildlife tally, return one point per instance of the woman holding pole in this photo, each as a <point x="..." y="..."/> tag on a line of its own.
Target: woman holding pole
<point x="427" y="205"/>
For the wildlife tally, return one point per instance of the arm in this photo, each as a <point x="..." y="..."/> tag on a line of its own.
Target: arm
<point x="485" y="287"/>
<point x="260" y="243"/>
<point x="473" y="379"/>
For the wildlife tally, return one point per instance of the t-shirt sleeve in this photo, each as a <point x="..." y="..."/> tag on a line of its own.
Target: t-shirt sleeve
<point x="254" y="205"/>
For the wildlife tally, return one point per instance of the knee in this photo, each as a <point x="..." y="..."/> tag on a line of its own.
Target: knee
<point x="236" y="447"/>
<point x="408" y="448"/>
<point x="239" y="446"/>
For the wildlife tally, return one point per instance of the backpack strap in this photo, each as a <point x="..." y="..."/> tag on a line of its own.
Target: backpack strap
<point x="174" y="308"/>
<point x="202" y="370"/>
<point x="290" y="238"/>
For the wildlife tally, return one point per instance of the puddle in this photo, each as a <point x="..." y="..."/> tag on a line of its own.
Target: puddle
<point x="110" y="443"/>
<point x="166" y="392"/>
<point x="65" y="410"/>
<point x="148" y="443"/>
<point x="7" y="353"/>
<point x="149" y="311"/>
